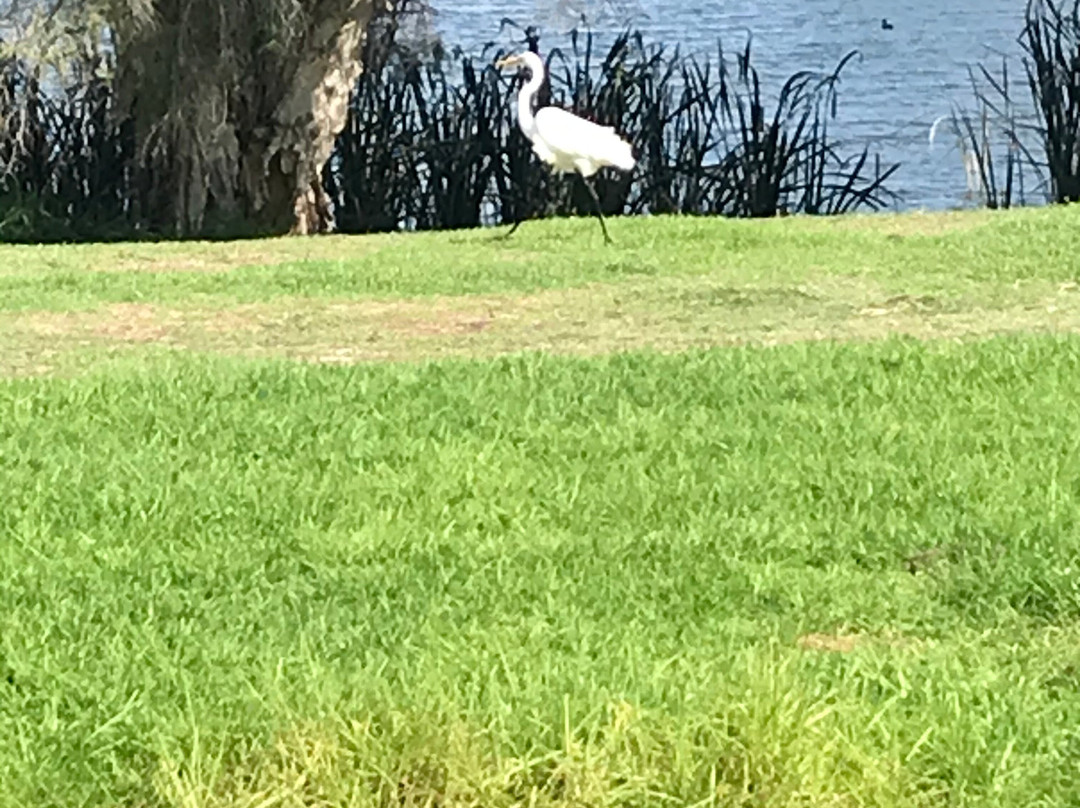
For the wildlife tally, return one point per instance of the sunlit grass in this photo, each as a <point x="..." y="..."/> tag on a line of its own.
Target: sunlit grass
<point x="668" y="284"/>
<point x="939" y="251"/>
<point x="815" y="574"/>
<point x="819" y="573"/>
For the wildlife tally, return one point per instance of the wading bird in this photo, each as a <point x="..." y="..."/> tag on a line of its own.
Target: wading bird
<point x="561" y="139"/>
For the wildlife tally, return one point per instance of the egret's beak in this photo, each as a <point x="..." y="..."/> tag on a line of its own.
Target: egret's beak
<point x="508" y="61"/>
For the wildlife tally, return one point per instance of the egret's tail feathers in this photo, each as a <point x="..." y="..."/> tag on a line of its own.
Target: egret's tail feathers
<point x="623" y="156"/>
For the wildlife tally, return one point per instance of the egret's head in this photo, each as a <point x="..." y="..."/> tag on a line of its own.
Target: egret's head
<point x="526" y="60"/>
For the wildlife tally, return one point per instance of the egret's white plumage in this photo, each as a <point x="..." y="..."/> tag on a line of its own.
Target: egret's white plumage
<point x="569" y="143"/>
<point x="563" y="140"/>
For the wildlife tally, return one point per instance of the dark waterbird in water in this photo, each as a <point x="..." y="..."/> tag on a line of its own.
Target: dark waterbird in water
<point x="886" y="25"/>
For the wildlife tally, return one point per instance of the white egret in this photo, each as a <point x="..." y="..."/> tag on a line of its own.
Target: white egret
<point x="561" y="139"/>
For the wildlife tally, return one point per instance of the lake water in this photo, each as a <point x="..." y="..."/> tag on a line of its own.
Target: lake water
<point x="907" y="77"/>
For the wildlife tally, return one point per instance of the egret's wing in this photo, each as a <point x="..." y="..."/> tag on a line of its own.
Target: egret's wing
<point x="574" y="139"/>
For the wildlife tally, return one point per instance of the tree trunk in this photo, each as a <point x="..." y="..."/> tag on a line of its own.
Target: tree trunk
<point x="307" y="121"/>
<point x="237" y="107"/>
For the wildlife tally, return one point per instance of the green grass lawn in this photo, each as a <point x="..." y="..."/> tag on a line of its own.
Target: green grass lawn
<point x="648" y="536"/>
<point x="669" y="284"/>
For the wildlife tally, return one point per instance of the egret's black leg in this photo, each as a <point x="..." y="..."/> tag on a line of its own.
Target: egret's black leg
<point x="510" y="232"/>
<point x="599" y="213"/>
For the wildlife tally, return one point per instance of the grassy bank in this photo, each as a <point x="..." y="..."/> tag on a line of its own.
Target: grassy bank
<point x="669" y="284"/>
<point x="808" y="572"/>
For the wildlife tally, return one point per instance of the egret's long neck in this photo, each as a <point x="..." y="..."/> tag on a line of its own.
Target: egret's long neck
<point x="526" y="119"/>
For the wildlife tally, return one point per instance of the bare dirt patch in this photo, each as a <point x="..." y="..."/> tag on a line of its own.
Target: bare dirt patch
<point x="126" y="322"/>
<point x="430" y="321"/>
<point x="666" y="315"/>
<point x="212" y="256"/>
<point x="843" y="641"/>
<point x="836" y="643"/>
<point x="137" y="322"/>
<point x="901" y="304"/>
